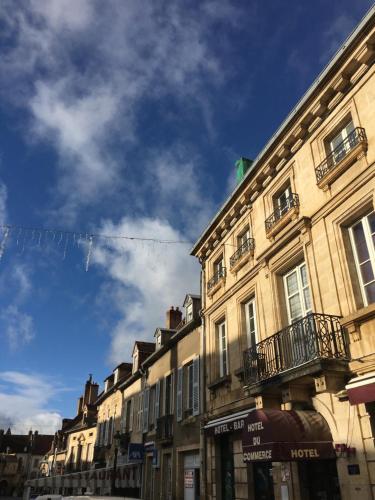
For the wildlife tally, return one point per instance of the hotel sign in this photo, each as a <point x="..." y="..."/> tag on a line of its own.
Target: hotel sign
<point x="276" y="435"/>
<point x="236" y="425"/>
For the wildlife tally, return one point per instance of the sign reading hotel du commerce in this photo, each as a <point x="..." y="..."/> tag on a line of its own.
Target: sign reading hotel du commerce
<point x="280" y="435"/>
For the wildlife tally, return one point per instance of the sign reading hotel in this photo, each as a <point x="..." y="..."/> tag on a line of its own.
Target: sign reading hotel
<point x="224" y="428"/>
<point x="277" y="435"/>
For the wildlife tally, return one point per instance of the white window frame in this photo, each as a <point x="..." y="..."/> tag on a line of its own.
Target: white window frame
<point x="189" y="312"/>
<point x="249" y="334"/>
<point x="300" y="291"/>
<point x="218" y="265"/>
<point x="243" y="237"/>
<point x="283" y="208"/>
<point x="343" y="133"/>
<point x="371" y="250"/>
<point x="223" y="352"/>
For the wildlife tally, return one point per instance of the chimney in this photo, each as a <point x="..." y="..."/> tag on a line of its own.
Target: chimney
<point x="93" y="394"/>
<point x="80" y="405"/>
<point x="174" y="317"/>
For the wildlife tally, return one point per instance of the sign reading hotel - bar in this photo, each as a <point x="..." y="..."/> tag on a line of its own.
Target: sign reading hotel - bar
<point x="226" y="427"/>
<point x="276" y="435"/>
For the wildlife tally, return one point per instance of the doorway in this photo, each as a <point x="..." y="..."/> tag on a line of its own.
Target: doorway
<point x="319" y="480"/>
<point x="263" y="481"/>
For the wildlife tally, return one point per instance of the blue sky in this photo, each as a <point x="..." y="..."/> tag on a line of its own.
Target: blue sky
<point x="126" y="118"/>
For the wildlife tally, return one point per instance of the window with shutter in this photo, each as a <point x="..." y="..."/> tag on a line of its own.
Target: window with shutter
<point x="146" y="401"/>
<point x="196" y="386"/>
<point x="106" y="430"/>
<point x="131" y="411"/>
<point x="157" y="401"/>
<point x="140" y="411"/>
<point x="180" y="373"/>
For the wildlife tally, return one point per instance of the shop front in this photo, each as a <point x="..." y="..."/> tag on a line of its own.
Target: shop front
<point x="290" y="456"/>
<point x="228" y="479"/>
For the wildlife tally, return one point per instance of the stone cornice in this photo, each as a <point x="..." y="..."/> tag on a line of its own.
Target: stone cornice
<point x="343" y="73"/>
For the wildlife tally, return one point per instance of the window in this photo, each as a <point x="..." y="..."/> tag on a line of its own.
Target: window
<point x="223" y="351"/>
<point x="189" y="312"/>
<point x="168" y="395"/>
<point x="251" y="325"/>
<point x="342" y="142"/>
<point x="189" y="387"/>
<point x="243" y="238"/>
<point x="282" y="201"/>
<point x="297" y="293"/>
<point x="152" y="407"/>
<point x="362" y="236"/>
<point x="140" y="412"/>
<point x="219" y="267"/>
<point x="135" y="361"/>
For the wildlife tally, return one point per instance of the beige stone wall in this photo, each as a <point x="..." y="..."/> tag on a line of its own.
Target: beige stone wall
<point x="85" y="438"/>
<point x="317" y="234"/>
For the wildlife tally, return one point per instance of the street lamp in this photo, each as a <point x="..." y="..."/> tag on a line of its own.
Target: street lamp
<point x="116" y="440"/>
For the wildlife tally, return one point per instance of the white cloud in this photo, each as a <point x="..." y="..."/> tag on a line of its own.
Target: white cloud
<point x="148" y="277"/>
<point x="84" y="68"/>
<point x="24" y="402"/>
<point x="17" y="326"/>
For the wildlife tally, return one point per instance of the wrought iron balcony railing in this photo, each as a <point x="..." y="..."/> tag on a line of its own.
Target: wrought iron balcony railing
<point x="219" y="274"/>
<point x="357" y="136"/>
<point x="312" y="337"/>
<point x="291" y="202"/>
<point x="246" y="247"/>
<point x="164" y="428"/>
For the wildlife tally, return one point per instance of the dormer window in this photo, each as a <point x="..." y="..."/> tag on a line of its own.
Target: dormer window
<point x="135" y="361"/>
<point x="116" y="376"/>
<point x="158" y="340"/>
<point x="189" y="312"/>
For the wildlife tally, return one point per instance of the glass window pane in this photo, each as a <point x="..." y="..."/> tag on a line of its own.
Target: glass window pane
<point x="367" y="272"/>
<point x="349" y="127"/>
<point x="306" y="294"/>
<point x="370" y="292"/>
<point x="360" y="242"/>
<point x="304" y="275"/>
<point x="295" y="307"/>
<point x="292" y="283"/>
<point x="371" y="221"/>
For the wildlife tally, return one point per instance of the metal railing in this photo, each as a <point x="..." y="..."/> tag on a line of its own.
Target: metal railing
<point x="312" y="337"/>
<point x="290" y="202"/>
<point x="246" y="247"/>
<point x="164" y="428"/>
<point x="355" y="137"/>
<point x="219" y="274"/>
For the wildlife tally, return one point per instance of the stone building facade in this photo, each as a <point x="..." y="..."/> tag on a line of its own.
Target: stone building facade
<point x="288" y="291"/>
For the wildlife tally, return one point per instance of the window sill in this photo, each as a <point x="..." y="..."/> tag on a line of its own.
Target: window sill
<point x="241" y="261"/>
<point x="216" y="287"/>
<point x="355" y="154"/>
<point x="222" y="381"/>
<point x="289" y="216"/>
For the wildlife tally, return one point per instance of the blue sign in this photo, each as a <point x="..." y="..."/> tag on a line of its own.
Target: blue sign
<point x="135" y="452"/>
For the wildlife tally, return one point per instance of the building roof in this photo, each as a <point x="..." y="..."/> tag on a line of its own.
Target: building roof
<point x="39" y="444"/>
<point x="147" y="347"/>
<point x="306" y="99"/>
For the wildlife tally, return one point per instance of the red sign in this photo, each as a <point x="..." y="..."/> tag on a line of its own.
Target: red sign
<point x="278" y="435"/>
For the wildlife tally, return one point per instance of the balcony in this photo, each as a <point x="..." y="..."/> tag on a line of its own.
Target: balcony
<point x="242" y="255"/>
<point x="282" y="215"/>
<point x="216" y="281"/>
<point x="164" y="429"/>
<point x="314" y="337"/>
<point x="346" y="153"/>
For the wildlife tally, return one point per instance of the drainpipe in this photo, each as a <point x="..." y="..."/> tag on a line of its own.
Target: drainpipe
<point x="203" y="443"/>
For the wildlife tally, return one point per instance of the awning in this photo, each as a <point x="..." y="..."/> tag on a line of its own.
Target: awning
<point x="230" y="423"/>
<point x="280" y="435"/>
<point x="361" y="389"/>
